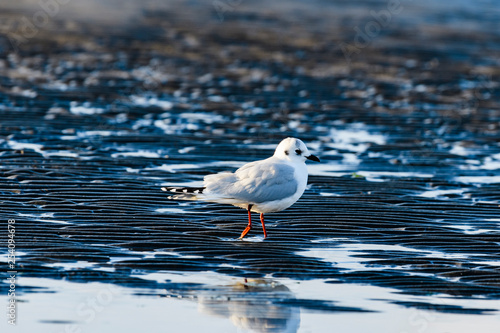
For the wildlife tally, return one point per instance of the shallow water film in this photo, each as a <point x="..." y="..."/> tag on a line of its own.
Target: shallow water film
<point x="102" y="103"/>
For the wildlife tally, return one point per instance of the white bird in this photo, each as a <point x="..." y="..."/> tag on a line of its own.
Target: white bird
<point x="264" y="186"/>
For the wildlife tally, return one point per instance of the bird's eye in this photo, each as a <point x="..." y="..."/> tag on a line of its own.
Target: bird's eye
<point x="298" y="151"/>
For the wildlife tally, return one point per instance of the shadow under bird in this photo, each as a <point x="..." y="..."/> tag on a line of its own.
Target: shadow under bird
<point x="265" y="186"/>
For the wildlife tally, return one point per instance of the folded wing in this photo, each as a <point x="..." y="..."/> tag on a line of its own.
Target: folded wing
<point x="255" y="182"/>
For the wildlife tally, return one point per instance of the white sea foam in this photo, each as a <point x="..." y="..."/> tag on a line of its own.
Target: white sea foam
<point x="478" y="179"/>
<point x="144" y="101"/>
<point x="350" y="255"/>
<point x="38" y="148"/>
<point x="139" y="153"/>
<point x="84" y="109"/>
<point x="440" y="193"/>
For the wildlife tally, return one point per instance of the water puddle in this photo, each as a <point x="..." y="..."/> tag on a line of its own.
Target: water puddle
<point x="221" y="303"/>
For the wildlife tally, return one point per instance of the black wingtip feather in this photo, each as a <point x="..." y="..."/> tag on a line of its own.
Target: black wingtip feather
<point x="190" y="190"/>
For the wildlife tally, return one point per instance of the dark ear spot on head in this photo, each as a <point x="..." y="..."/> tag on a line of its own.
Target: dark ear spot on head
<point x="286" y="152"/>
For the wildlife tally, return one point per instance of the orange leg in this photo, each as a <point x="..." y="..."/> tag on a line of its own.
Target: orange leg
<point x="249" y="226"/>
<point x="263" y="225"/>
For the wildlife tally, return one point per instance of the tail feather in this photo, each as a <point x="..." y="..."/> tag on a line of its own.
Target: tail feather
<point x="185" y="193"/>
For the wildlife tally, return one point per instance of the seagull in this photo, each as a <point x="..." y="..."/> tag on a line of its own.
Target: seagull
<point x="265" y="186"/>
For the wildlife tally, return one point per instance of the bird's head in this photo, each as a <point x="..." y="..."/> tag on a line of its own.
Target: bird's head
<point x="294" y="150"/>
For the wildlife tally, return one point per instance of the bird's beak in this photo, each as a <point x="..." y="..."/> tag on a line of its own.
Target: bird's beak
<point x="313" y="158"/>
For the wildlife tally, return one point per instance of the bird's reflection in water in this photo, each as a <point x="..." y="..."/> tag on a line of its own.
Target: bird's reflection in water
<point x="257" y="305"/>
